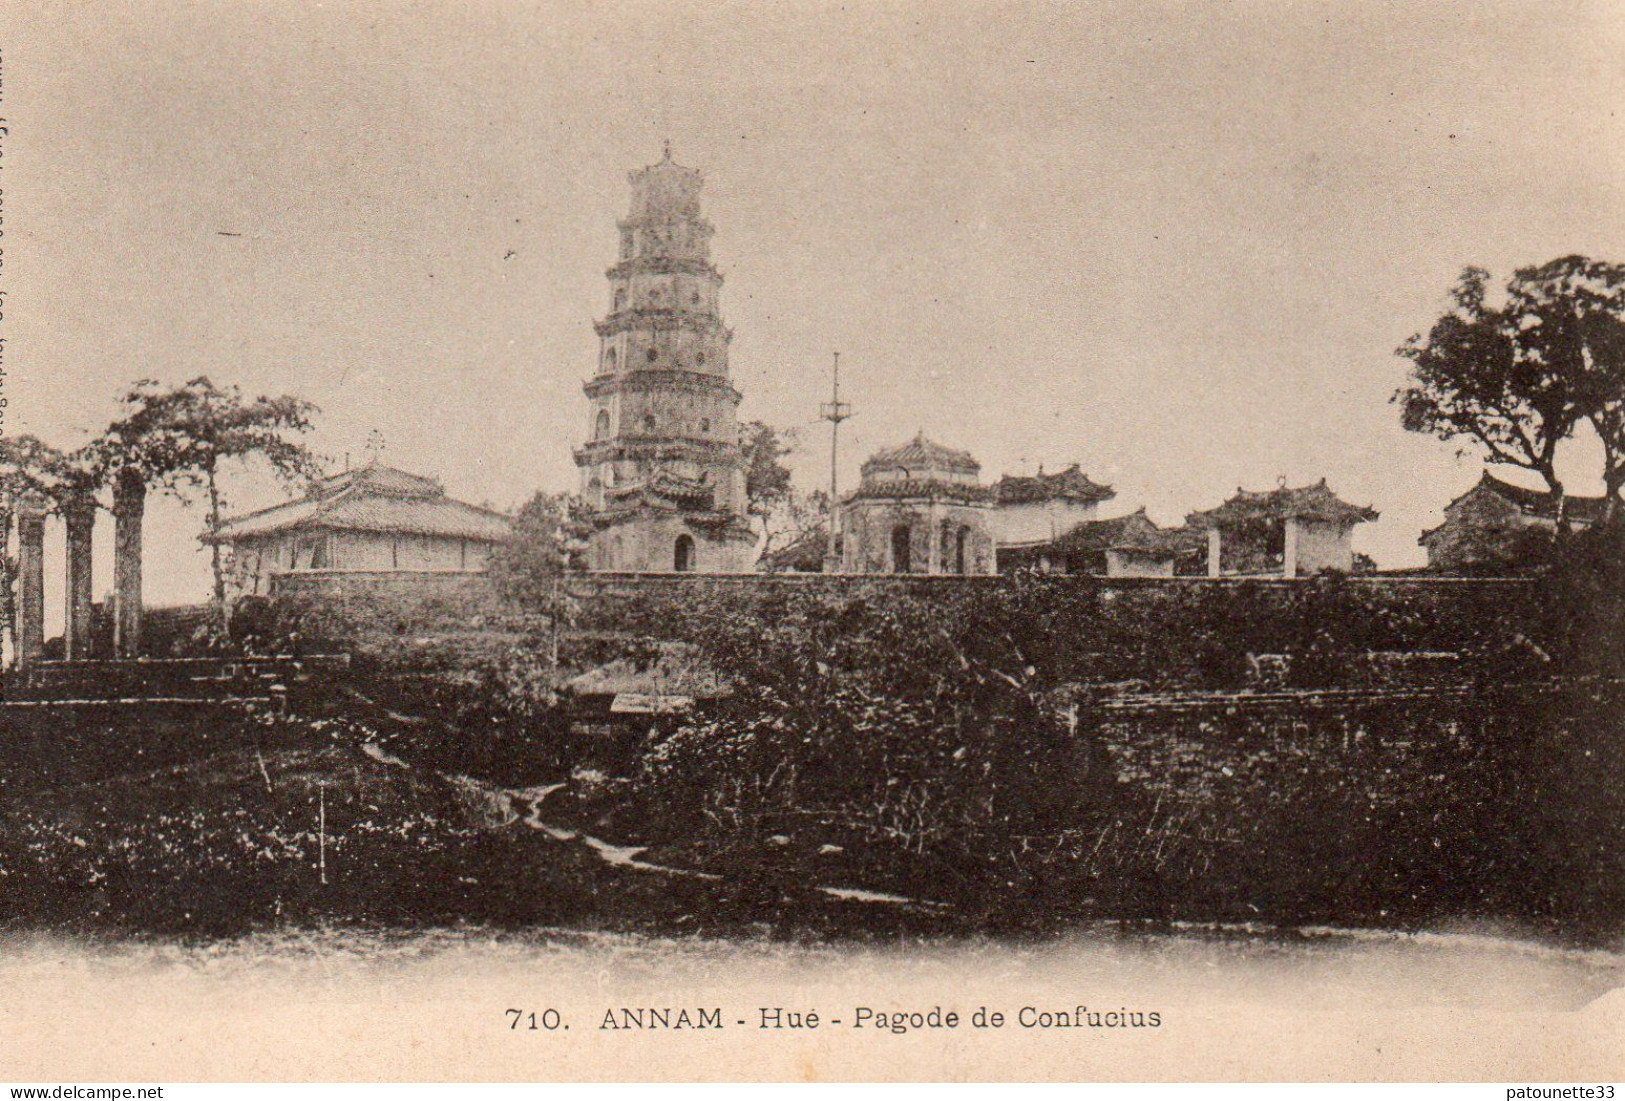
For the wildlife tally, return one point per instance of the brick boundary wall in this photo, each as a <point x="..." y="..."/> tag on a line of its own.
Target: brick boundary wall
<point x="607" y="578"/>
<point x="1163" y="622"/>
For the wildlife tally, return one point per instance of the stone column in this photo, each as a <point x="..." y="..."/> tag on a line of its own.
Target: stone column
<point x="80" y="519"/>
<point x="30" y="584"/>
<point x="1289" y="555"/>
<point x="129" y="506"/>
<point x="1213" y="552"/>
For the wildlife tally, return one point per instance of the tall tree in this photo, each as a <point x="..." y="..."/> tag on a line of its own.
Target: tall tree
<point x="178" y="439"/>
<point x="1570" y="314"/>
<point x="1476" y="375"/>
<point x="782" y="513"/>
<point x="1518" y="378"/>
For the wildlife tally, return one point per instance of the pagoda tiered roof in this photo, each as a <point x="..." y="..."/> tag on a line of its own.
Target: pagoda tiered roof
<point x="1312" y="502"/>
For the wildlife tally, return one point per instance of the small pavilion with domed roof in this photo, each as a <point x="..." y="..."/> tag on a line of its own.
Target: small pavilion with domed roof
<point x="919" y="508"/>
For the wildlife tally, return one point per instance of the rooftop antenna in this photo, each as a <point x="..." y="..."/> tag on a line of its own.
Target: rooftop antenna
<point x="835" y="411"/>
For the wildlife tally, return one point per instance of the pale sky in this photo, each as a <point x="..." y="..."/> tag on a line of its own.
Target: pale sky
<point x="1176" y="243"/>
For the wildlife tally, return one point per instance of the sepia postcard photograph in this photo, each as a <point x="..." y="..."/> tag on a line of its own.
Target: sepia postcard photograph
<point x="899" y="540"/>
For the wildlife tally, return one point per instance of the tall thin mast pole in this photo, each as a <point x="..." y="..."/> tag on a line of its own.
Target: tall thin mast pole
<point x="835" y="411"/>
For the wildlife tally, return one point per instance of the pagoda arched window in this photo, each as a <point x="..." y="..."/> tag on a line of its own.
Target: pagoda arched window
<point x="648" y="422"/>
<point x="601" y="426"/>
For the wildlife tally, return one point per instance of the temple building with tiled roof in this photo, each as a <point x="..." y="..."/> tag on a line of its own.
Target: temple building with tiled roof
<point x="1033" y="510"/>
<point x="1123" y="546"/>
<point x="373" y="519"/>
<point x="1489" y="528"/>
<point x="1284" y="531"/>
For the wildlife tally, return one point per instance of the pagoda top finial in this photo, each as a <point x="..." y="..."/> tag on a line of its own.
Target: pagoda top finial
<point x="666" y="157"/>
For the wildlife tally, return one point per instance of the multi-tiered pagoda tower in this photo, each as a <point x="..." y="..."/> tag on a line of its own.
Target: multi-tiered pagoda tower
<point x="662" y="464"/>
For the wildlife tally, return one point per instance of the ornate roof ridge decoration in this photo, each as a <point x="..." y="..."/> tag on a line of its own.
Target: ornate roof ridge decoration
<point x="659" y="447"/>
<point x="663" y="265"/>
<point x="665" y="164"/>
<point x="724" y="522"/>
<point x="660" y="319"/>
<point x="925" y="454"/>
<point x="1071" y="484"/>
<point x="661" y="378"/>
<point x="921" y="488"/>
<point x="669" y="486"/>
<point x="1312" y="502"/>
<point x="378" y="480"/>
<point x="690" y="215"/>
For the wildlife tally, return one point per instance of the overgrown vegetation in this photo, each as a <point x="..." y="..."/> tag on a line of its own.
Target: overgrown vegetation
<point x="927" y="743"/>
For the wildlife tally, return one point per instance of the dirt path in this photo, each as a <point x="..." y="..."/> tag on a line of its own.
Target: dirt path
<point x="527" y="806"/>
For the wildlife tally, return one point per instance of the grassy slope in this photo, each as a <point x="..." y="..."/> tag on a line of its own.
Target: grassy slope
<point x="188" y="823"/>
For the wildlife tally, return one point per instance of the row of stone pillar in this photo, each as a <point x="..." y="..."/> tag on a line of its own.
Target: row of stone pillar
<point x="79" y="523"/>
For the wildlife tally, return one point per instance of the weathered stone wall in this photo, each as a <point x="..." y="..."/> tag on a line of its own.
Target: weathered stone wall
<point x="1315" y="546"/>
<point x="1383" y="806"/>
<point x="650" y="544"/>
<point x="1131" y="563"/>
<point x="1176" y="630"/>
<point x="1039" y="521"/>
<point x="1173" y="631"/>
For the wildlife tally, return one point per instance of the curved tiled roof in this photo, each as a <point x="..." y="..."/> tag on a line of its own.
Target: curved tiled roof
<point x="375" y="479"/>
<point x="1071" y="484"/>
<point x="1314" y="502"/>
<point x="374" y="498"/>
<point x="804" y="555"/>
<point x="923" y="455"/>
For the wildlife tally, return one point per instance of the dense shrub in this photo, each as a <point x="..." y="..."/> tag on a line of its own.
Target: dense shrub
<point x="922" y="729"/>
<point x="926" y="743"/>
